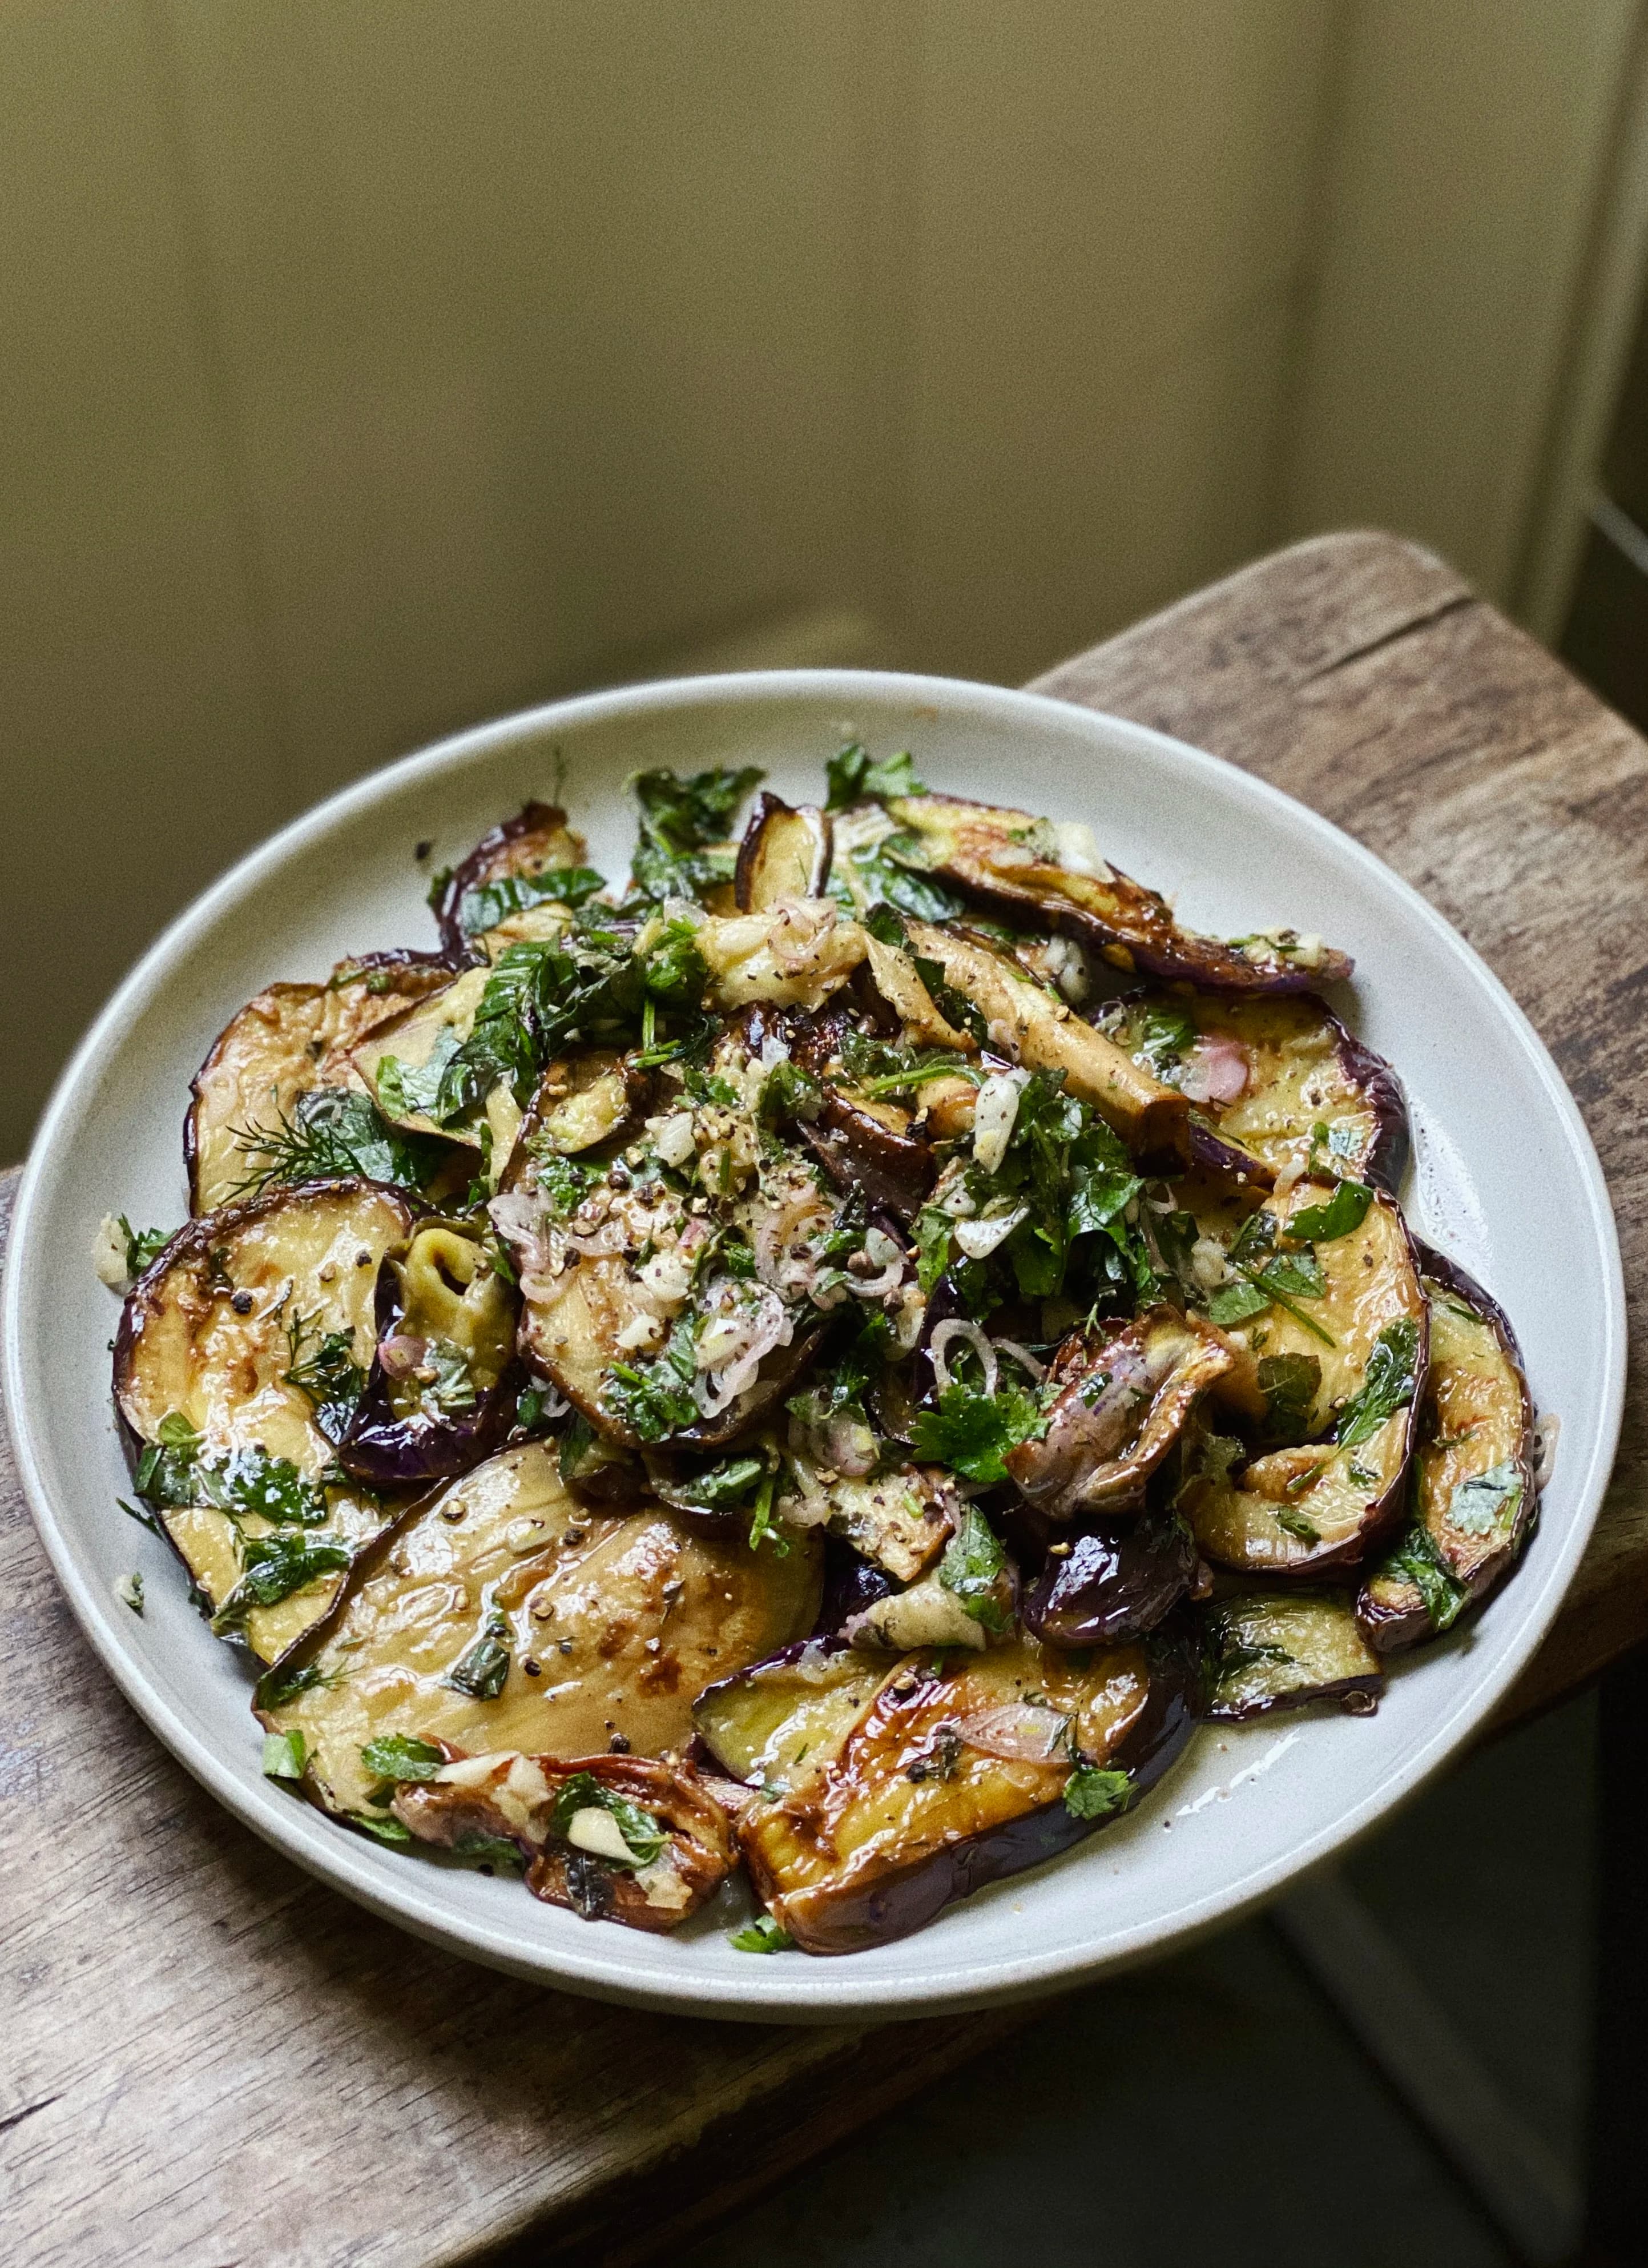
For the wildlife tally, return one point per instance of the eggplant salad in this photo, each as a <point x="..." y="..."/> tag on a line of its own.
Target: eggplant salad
<point x="831" y="1357"/>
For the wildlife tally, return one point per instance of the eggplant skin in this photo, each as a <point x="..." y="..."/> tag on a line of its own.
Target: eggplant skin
<point x="387" y="1451"/>
<point x="861" y="1145"/>
<point x="290" y="1040"/>
<point x="1108" y="1583"/>
<point x="537" y="837"/>
<point x="1126" y="1391"/>
<point x="900" y="1878"/>
<point x="988" y="853"/>
<point x="1494" y="1427"/>
<point x="506" y="1805"/>
<point x="1306" y="1070"/>
<point x="786" y="853"/>
<point x="1279" y="1649"/>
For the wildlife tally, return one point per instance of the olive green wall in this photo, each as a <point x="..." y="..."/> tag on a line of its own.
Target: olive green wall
<point x="371" y="366"/>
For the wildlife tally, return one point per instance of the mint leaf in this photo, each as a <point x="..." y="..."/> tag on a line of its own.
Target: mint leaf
<point x="285" y="1755"/>
<point x="398" y="1756"/>
<point x="1323" y="1224"/>
<point x="644" y="1837"/>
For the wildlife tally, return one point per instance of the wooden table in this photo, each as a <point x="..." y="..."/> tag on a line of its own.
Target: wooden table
<point x="206" y="2058"/>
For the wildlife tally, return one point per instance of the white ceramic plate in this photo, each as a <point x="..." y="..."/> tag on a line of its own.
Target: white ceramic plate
<point x="1505" y="1180"/>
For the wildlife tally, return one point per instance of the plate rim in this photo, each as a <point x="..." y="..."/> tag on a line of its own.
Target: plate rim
<point x="823" y="1991"/>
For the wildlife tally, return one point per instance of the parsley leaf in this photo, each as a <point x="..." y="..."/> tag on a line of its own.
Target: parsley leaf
<point x="1388" y="1384"/>
<point x="853" y="778"/>
<point x="1488" y="1501"/>
<point x="1418" y="1561"/>
<point x="972" y="1568"/>
<point x="326" y="1371"/>
<point x="655" y="1399"/>
<point x="761" y="1935"/>
<point x="143" y="1245"/>
<point x="684" y="822"/>
<point x="971" y="1431"/>
<point x="285" y="1755"/>
<point x="1091" y="1793"/>
<point x="275" y="1566"/>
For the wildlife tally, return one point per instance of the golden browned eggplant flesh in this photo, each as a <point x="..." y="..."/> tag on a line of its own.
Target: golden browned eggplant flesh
<point x="815" y="1363"/>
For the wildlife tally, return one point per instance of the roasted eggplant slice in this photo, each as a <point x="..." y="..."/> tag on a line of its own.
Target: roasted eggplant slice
<point x="954" y="1777"/>
<point x="1323" y="1306"/>
<point x="1107" y="1584"/>
<point x="1279" y="1078"/>
<point x="589" y="1097"/>
<point x="786" y="853"/>
<point x="674" y="1292"/>
<point x="521" y="881"/>
<point x="797" y="954"/>
<point x="401" y="1060"/>
<point x="862" y="1141"/>
<point x="783" y="1722"/>
<point x="1028" y="868"/>
<point x="238" y="1361"/>
<point x="899" y="1519"/>
<point x="509" y="1615"/>
<point x="616" y="1839"/>
<point x="1122" y="1393"/>
<point x="1276" y="1649"/>
<point x="290" y="1041"/>
<point x="1030" y="1027"/>
<point x="1475" y="1498"/>
<point x="442" y="1388"/>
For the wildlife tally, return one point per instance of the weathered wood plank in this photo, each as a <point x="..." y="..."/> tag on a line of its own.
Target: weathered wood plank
<point x="210" y="2059"/>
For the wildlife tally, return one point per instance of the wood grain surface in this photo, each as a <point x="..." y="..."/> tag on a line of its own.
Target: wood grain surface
<point x="208" y="2060"/>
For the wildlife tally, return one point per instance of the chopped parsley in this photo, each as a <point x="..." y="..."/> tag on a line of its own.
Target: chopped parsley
<point x="487" y="904"/>
<point x="143" y="1245"/>
<point x="273" y="1566"/>
<point x="1416" y="1560"/>
<point x="285" y="1755"/>
<point x="174" y="1471"/>
<point x="323" y="1366"/>
<point x="1091" y="1792"/>
<point x="853" y="778"/>
<point x="1388" y="1384"/>
<point x="684" y="824"/>
<point x="1324" y="1223"/>
<point x="972" y="1568"/>
<point x="971" y="1431"/>
<point x="656" y="1399"/>
<point x="761" y="1935"/>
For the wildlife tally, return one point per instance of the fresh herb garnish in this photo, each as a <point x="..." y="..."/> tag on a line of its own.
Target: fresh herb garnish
<point x="884" y="878"/>
<point x="1091" y="1792"/>
<point x="482" y="1670"/>
<point x="285" y="1755"/>
<point x="323" y="1366"/>
<point x="332" y="1134"/>
<point x="972" y="1568"/>
<point x="853" y="778"/>
<point x="673" y="971"/>
<point x="1290" y="1384"/>
<point x="1416" y="1560"/>
<point x="1324" y="1223"/>
<point x="1166" y="1036"/>
<point x="655" y="1399"/>
<point x="1488" y="1502"/>
<point x="382" y="1830"/>
<point x="274" y="1567"/>
<point x="143" y="1245"/>
<point x="1294" y="1522"/>
<point x="398" y="1756"/>
<point x="684" y="822"/>
<point x="285" y="1682"/>
<point x="488" y="903"/>
<point x="761" y="1935"/>
<point x="482" y="1850"/>
<point x="971" y="1431"/>
<point x="1388" y="1384"/>
<point x="644" y="1837"/>
<point x="174" y="1471"/>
